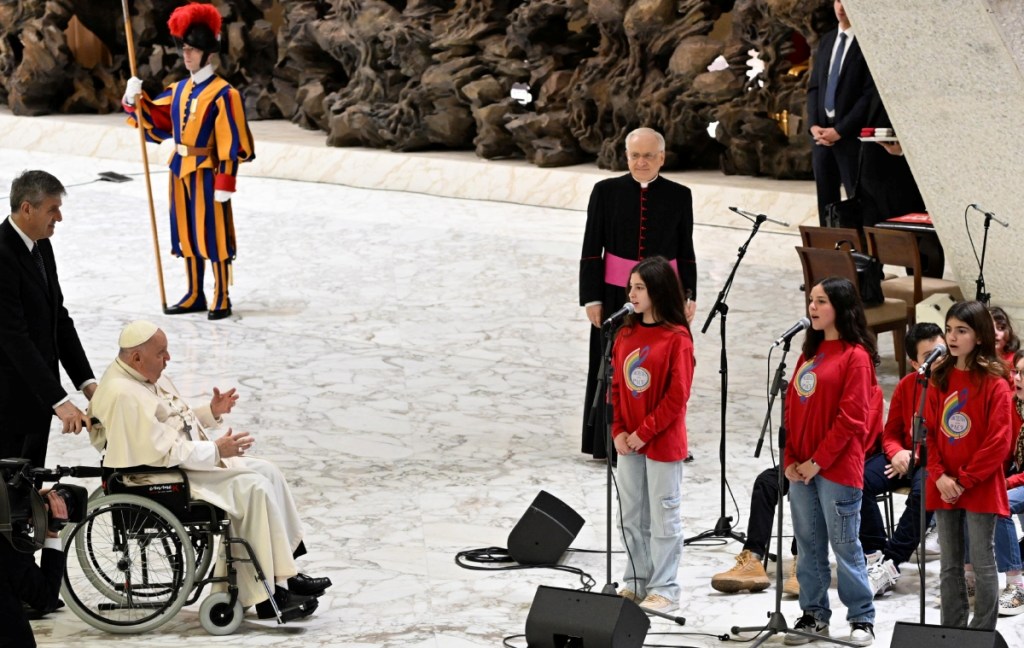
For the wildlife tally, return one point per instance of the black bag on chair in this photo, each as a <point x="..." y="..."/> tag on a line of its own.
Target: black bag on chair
<point x="869" y="275"/>
<point x="845" y="213"/>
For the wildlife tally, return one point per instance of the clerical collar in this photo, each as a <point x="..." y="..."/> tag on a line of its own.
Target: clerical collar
<point x="644" y="185"/>
<point x="131" y="372"/>
<point x="202" y="74"/>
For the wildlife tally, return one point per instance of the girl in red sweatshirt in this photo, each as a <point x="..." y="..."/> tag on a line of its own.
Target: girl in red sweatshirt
<point x="968" y="421"/>
<point x="826" y="422"/>
<point x="652" y="364"/>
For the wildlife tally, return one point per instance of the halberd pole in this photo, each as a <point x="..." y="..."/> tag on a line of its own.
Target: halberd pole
<point x="145" y="158"/>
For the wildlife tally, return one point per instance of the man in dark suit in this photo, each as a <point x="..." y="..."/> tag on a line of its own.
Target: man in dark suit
<point x="36" y="332"/>
<point x="839" y="94"/>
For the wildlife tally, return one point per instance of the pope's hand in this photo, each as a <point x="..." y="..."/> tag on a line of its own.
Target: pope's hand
<point x="232" y="445"/>
<point x="222" y="402"/>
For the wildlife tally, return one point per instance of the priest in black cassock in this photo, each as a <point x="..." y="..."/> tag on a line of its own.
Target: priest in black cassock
<point x="631" y="218"/>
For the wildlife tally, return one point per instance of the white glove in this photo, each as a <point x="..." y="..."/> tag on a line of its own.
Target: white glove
<point x="132" y="90"/>
<point x="221" y="195"/>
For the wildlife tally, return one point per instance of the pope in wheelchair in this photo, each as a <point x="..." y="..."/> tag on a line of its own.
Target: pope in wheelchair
<point x="144" y="422"/>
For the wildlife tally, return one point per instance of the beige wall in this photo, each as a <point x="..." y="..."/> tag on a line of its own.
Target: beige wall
<point x="955" y="93"/>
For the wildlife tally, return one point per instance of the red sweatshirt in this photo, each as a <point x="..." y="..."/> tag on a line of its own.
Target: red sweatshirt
<point x="899" y="427"/>
<point x="653" y="372"/>
<point x="827" y="411"/>
<point x="968" y="440"/>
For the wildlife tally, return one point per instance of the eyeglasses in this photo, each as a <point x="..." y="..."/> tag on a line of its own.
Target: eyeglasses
<point x="650" y="157"/>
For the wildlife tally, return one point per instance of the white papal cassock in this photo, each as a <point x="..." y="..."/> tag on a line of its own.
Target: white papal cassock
<point x="150" y="425"/>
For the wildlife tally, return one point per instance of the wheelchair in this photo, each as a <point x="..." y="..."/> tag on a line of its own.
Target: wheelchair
<point x="144" y="551"/>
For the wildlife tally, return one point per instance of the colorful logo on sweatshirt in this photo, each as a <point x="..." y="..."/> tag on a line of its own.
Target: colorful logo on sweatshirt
<point x="806" y="379"/>
<point x="637" y="378"/>
<point x="955" y="424"/>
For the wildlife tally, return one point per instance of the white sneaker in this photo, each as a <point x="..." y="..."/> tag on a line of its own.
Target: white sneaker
<point x="882" y="576"/>
<point x="931" y="546"/>
<point x="873" y="558"/>
<point x="931" y="542"/>
<point x="806" y="623"/>
<point x="862" y="633"/>
<point x="1011" y="600"/>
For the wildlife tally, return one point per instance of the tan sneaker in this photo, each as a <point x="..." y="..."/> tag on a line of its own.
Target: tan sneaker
<point x="747" y="574"/>
<point x="791" y="585"/>
<point x="658" y="603"/>
<point x="627" y="593"/>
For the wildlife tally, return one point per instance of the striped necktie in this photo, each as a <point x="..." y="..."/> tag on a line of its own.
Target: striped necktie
<point x="37" y="256"/>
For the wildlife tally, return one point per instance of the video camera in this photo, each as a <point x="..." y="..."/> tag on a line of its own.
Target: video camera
<point x="24" y="518"/>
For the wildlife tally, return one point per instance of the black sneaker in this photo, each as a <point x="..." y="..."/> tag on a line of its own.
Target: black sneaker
<point x="862" y="633"/>
<point x="806" y="623"/>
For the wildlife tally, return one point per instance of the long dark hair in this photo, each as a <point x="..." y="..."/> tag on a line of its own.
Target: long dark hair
<point x="1011" y="343"/>
<point x="850" y="320"/>
<point x="982" y="360"/>
<point x="664" y="289"/>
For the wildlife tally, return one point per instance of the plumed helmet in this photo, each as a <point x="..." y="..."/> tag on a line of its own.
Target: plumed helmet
<point x="197" y="25"/>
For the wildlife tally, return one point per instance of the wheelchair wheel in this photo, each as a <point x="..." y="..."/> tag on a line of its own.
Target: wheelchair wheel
<point x="218" y="616"/>
<point x="130" y="565"/>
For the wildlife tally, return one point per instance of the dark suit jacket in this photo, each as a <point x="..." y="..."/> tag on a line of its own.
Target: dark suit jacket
<point x="36" y="333"/>
<point x="853" y="94"/>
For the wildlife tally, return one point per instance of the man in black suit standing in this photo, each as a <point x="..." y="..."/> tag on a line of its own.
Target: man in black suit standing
<point x="36" y="332"/>
<point x="839" y="94"/>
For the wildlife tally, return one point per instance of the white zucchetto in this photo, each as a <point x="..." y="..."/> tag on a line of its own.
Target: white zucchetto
<point x="136" y="333"/>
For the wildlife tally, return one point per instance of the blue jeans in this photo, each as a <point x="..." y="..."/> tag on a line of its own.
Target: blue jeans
<point x="906" y="536"/>
<point x="1016" y="497"/>
<point x="826" y="513"/>
<point x="952" y="583"/>
<point x="650" y="494"/>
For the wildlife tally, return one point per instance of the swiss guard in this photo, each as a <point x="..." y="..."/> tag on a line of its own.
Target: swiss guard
<point x="204" y="116"/>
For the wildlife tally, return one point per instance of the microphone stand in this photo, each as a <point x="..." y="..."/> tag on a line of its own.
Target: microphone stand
<point x="980" y="294"/>
<point x="776" y="621"/>
<point x="604" y="392"/>
<point x="723" y="528"/>
<point x="921" y="450"/>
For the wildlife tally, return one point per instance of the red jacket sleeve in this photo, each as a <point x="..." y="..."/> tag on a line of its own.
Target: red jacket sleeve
<point x="897" y="427"/>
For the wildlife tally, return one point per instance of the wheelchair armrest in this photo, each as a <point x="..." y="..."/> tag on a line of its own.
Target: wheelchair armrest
<point x="114" y="482"/>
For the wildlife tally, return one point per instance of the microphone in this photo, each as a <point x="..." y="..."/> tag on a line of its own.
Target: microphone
<point x="937" y="352"/>
<point x="627" y="309"/>
<point x="802" y="324"/>
<point x="988" y="214"/>
<point x="756" y="217"/>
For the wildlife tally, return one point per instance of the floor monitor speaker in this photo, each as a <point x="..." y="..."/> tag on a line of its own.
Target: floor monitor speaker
<point x="916" y="635"/>
<point x="544" y="532"/>
<point x="565" y="618"/>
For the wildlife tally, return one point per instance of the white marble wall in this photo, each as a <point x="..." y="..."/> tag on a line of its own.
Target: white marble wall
<point x="955" y="92"/>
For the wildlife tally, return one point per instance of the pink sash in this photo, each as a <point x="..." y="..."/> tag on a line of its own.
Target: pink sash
<point x="617" y="269"/>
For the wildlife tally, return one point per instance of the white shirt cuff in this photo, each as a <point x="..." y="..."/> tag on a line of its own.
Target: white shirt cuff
<point x="53" y="543"/>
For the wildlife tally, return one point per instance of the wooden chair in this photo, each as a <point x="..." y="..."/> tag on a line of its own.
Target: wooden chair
<point x="827" y="237"/>
<point x="893" y="247"/>
<point x="888" y="316"/>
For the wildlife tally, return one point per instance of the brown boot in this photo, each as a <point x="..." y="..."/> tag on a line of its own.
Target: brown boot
<point x="791" y="585"/>
<point x="747" y="574"/>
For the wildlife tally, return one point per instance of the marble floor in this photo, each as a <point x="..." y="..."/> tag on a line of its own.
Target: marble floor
<point x="416" y="364"/>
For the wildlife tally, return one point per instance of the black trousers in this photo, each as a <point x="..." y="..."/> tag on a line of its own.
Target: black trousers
<point x="763" y="502"/>
<point x="834" y="166"/>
